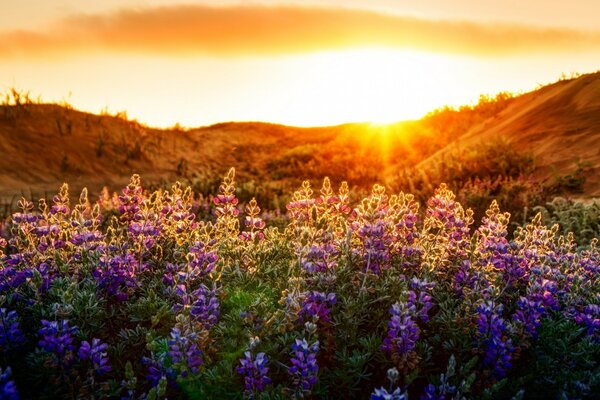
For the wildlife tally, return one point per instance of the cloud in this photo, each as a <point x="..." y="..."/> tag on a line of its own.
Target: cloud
<point x="259" y="30"/>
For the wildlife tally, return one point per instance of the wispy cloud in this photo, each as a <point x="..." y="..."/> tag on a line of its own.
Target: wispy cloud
<point x="259" y="30"/>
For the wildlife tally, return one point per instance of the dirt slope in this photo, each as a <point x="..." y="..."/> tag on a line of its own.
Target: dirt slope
<point x="559" y="124"/>
<point x="43" y="145"/>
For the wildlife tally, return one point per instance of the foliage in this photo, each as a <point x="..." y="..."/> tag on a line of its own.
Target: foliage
<point x="156" y="294"/>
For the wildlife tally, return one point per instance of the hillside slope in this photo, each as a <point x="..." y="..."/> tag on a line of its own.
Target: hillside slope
<point x="559" y="124"/>
<point x="43" y="145"/>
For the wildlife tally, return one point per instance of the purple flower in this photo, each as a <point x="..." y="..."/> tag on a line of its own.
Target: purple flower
<point x="8" y="389"/>
<point x="12" y="278"/>
<point x="590" y="318"/>
<point x="492" y="331"/>
<point x="201" y="261"/>
<point x="421" y="298"/>
<point x="205" y="307"/>
<point x="445" y="214"/>
<point x="376" y="243"/>
<point x="96" y="353"/>
<point x="57" y="338"/>
<point x="156" y="370"/>
<point x="304" y="366"/>
<point x="145" y="229"/>
<point x="11" y="334"/>
<point x="253" y="222"/>
<point x="203" y="304"/>
<point x="402" y="336"/>
<point x="319" y="257"/>
<point x="184" y="353"/>
<point x="383" y="394"/>
<point x="129" y="202"/>
<point x="254" y="371"/>
<point x="317" y="305"/>
<point x="117" y="275"/>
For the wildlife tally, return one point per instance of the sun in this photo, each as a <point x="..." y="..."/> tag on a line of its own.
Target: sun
<point x="377" y="85"/>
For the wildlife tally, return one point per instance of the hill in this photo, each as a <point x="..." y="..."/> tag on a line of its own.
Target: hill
<point x="43" y="145"/>
<point x="559" y="124"/>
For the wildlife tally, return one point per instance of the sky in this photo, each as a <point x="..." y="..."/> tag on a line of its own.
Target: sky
<point x="300" y="62"/>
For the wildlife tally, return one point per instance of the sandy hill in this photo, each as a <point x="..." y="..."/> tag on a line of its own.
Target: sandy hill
<point x="42" y="145"/>
<point x="559" y="124"/>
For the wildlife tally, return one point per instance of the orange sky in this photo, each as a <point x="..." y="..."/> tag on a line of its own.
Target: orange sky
<point x="302" y="63"/>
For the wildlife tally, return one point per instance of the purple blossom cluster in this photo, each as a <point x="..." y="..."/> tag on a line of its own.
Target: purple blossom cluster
<point x="301" y="204"/>
<point x="254" y="370"/>
<point x="8" y="388"/>
<point x="130" y="201"/>
<point x="376" y="243"/>
<point x="317" y="307"/>
<point x="402" y="336"/>
<point x="185" y="353"/>
<point x="11" y="335"/>
<point x="589" y="317"/>
<point x="156" y="269"/>
<point x="202" y="304"/>
<point x="57" y="339"/>
<point x="116" y="275"/>
<point x="445" y="215"/>
<point x="304" y="367"/>
<point x="201" y="260"/>
<point x="96" y="353"/>
<point x="156" y="370"/>
<point x="493" y="333"/>
<point x="419" y="298"/>
<point x="383" y="394"/>
<point x="253" y="223"/>
<point x="319" y="257"/>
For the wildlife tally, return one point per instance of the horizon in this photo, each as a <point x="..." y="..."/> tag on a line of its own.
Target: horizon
<point x="39" y="100"/>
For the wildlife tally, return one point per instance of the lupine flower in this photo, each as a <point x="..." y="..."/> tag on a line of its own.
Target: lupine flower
<point x="317" y="305"/>
<point x="201" y="260"/>
<point x="253" y="223"/>
<point x="226" y="207"/>
<point x="57" y="338"/>
<point x="402" y="336"/>
<point x="420" y="298"/>
<point x="299" y="207"/>
<point x="129" y="202"/>
<point x="383" y="394"/>
<point x="146" y="227"/>
<point x="391" y="394"/>
<point x="8" y="389"/>
<point x="376" y="244"/>
<point x="590" y="318"/>
<point x="254" y="370"/>
<point x="184" y="353"/>
<point x="12" y="278"/>
<point x="529" y="314"/>
<point x="156" y="370"/>
<point x="304" y="366"/>
<point x="203" y="304"/>
<point x="429" y="393"/>
<point x="466" y="278"/>
<point x="498" y="347"/>
<point x="319" y="257"/>
<point x="446" y="215"/>
<point x="11" y="334"/>
<point x="96" y="353"/>
<point x="117" y="275"/>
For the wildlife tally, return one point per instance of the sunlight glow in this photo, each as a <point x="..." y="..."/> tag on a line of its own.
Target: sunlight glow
<point x="372" y="85"/>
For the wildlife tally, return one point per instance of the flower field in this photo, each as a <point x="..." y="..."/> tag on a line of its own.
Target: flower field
<point x="156" y="295"/>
